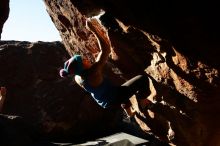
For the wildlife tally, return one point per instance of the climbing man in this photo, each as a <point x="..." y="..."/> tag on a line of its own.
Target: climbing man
<point x="91" y="77"/>
<point x="2" y="97"/>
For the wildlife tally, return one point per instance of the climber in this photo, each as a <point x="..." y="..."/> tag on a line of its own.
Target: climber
<point x="2" y="97"/>
<point x="90" y="77"/>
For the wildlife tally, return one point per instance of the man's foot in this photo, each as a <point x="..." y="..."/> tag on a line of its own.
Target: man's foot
<point x="128" y="110"/>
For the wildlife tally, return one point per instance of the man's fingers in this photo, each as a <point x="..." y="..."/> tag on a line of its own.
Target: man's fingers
<point x="95" y="26"/>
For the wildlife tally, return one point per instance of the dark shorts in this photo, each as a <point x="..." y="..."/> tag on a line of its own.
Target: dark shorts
<point x="138" y="85"/>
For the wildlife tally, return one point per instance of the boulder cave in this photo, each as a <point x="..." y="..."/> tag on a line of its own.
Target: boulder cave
<point x="174" y="42"/>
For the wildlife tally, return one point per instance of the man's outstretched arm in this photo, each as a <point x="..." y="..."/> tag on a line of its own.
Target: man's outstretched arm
<point x="103" y="41"/>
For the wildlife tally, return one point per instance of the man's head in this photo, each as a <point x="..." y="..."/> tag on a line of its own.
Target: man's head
<point x="72" y="66"/>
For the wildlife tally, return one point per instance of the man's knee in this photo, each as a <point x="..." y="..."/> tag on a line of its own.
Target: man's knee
<point x="141" y="94"/>
<point x="148" y="91"/>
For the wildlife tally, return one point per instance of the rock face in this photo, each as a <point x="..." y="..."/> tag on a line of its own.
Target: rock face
<point x="4" y="12"/>
<point x="175" y="45"/>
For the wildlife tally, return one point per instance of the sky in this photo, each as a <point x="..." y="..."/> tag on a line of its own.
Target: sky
<point x="29" y="21"/>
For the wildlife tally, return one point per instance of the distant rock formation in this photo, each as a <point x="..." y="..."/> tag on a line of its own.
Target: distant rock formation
<point x="4" y="12"/>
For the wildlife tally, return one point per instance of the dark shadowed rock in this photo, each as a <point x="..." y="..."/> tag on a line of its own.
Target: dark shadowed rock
<point x="16" y="132"/>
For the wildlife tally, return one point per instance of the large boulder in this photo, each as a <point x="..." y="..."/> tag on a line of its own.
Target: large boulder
<point x="174" y="45"/>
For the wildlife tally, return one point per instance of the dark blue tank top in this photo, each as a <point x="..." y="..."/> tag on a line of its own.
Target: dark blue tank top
<point x="104" y="94"/>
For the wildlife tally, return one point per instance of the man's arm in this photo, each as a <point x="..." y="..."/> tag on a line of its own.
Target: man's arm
<point x="103" y="42"/>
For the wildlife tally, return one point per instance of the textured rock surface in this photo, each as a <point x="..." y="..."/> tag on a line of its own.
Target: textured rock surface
<point x="4" y="12"/>
<point x="169" y="43"/>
